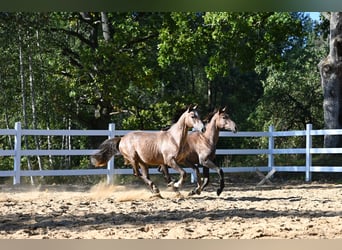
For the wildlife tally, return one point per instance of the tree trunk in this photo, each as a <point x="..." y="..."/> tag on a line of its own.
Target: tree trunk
<point x="5" y="107"/>
<point x="45" y="96"/>
<point x="23" y="96"/>
<point x="331" y="78"/>
<point x="34" y="111"/>
<point x="106" y="28"/>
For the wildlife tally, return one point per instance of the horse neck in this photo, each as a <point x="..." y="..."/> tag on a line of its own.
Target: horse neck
<point x="179" y="131"/>
<point x="212" y="131"/>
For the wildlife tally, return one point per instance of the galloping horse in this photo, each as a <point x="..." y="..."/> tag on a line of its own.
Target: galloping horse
<point x="200" y="148"/>
<point x="144" y="149"/>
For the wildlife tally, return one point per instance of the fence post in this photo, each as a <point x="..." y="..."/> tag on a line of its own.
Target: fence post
<point x="17" y="153"/>
<point x="308" y="158"/>
<point x="270" y="147"/>
<point x="110" y="164"/>
<point x="271" y="169"/>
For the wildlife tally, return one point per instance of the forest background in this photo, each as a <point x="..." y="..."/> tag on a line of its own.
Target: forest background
<point x="68" y="70"/>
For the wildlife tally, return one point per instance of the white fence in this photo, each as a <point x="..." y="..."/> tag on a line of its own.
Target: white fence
<point x="110" y="171"/>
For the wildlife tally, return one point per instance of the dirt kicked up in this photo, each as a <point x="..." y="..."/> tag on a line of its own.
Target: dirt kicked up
<point x="302" y="211"/>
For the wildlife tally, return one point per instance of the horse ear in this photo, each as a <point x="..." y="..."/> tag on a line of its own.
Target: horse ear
<point x="222" y="110"/>
<point x="192" y="107"/>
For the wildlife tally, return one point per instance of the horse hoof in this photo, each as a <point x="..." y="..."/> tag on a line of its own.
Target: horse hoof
<point x="179" y="196"/>
<point x="191" y="193"/>
<point x="156" y="196"/>
<point x="177" y="185"/>
<point x="218" y="192"/>
<point x="171" y="184"/>
<point x="175" y="189"/>
<point x="195" y="191"/>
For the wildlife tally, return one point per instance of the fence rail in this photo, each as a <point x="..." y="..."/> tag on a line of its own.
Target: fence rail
<point x="17" y="153"/>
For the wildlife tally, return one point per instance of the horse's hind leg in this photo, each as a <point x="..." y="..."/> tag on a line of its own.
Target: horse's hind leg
<point x="205" y="177"/>
<point x="146" y="178"/>
<point x="198" y="189"/>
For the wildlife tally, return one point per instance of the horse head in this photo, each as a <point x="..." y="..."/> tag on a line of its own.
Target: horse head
<point x="224" y="121"/>
<point x="192" y="119"/>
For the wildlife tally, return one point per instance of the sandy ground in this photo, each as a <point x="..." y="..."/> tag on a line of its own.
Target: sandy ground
<point x="301" y="211"/>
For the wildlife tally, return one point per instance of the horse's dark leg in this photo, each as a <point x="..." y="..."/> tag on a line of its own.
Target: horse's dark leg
<point x="136" y="171"/>
<point x="146" y="178"/>
<point x="221" y="174"/>
<point x="209" y="164"/>
<point x="198" y="189"/>
<point x="165" y="170"/>
<point x="199" y="180"/>
<point x="205" y="177"/>
<point x="182" y="173"/>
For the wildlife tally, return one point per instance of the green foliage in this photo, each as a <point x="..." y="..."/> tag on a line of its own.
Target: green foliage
<point x="292" y="93"/>
<point x="74" y="75"/>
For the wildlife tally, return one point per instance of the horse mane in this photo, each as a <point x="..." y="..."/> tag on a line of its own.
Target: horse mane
<point x="208" y="118"/>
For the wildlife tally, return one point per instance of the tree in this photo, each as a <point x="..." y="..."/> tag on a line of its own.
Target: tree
<point x="292" y="94"/>
<point x="136" y="68"/>
<point x="228" y="52"/>
<point x="331" y="79"/>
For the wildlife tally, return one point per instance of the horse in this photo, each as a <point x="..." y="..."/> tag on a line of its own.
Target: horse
<point x="142" y="149"/>
<point x="200" y="149"/>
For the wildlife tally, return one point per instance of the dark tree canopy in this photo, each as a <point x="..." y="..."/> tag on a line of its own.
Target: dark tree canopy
<point x="63" y="70"/>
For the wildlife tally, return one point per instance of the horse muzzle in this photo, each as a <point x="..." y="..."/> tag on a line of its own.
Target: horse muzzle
<point x="235" y="129"/>
<point x="232" y="127"/>
<point x="199" y="128"/>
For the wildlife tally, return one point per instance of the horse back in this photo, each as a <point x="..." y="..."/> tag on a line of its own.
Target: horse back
<point x="141" y="146"/>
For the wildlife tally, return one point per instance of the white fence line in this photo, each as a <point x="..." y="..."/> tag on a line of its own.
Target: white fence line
<point x="110" y="171"/>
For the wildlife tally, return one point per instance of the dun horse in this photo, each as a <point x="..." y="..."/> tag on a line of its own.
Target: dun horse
<point x="200" y="149"/>
<point x="144" y="149"/>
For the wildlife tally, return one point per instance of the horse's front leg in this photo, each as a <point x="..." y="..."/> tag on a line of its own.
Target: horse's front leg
<point x="209" y="164"/>
<point x="165" y="171"/>
<point x="182" y="174"/>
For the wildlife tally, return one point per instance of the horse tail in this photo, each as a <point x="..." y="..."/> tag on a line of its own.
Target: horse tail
<point x="107" y="149"/>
